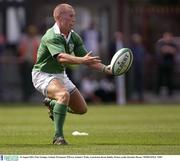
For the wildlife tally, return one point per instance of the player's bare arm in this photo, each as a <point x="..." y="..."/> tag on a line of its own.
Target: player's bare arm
<point x="101" y="67"/>
<point x="89" y="60"/>
<point x="70" y="59"/>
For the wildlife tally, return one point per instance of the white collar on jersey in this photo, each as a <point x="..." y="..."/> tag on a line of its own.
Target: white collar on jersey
<point x="57" y="31"/>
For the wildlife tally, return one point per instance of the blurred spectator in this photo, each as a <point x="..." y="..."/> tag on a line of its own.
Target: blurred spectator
<point x="27" y="50"/>
<point x="2" y="44"/>
<point x="92" y="39"/>
<point x="88" y="87"/>
<point x="138" y="50"/>
<point x="166" y="51"/>
<point x="98" y="91"/>
<point x="106" y="90"/>
<point x="2" y="49"/>
<point x="116" y="44"/>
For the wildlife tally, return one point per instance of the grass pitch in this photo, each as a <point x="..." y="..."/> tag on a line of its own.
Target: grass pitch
<point x="113" y="130"/>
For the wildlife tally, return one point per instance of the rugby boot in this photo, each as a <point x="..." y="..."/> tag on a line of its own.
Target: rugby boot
<point x="59" y="141"/>
<point x="46" y="102"/>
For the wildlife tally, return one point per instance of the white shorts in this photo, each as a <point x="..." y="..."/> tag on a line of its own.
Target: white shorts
<point x="41" y="81"/>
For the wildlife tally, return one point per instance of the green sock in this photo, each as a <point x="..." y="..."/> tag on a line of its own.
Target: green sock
<point x="53" y="102"/>
<point x="59" y="113"/>
<point x="69" y="110"/>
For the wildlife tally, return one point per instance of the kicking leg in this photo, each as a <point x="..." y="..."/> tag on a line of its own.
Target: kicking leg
<point x="77" y="103"/>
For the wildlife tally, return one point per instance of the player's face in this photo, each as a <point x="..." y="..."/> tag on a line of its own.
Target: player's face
<point x="68" y="19"/>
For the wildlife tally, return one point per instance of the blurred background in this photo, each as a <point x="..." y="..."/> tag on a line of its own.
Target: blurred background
<point x="149" y="27"/>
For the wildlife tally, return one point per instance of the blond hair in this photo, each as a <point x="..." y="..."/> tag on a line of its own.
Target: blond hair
<point x="61" y="9"/>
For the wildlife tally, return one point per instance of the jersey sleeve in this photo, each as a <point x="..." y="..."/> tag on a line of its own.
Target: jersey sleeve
<point x="55" y="46"/>
<point x="79" y="49"/>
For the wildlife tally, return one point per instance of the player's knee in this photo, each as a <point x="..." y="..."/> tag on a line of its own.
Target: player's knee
<point x="83" y="111"/>
<point x="63" y="96"/>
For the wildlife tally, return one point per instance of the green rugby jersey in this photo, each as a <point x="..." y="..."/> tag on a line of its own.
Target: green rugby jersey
<point x="52" y="43"/>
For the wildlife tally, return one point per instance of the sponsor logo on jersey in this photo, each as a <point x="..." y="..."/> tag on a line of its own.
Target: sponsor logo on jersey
<point x="71" y="48"/>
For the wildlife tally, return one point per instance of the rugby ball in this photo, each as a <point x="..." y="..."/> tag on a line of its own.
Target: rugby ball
<point x="121" y="61"/>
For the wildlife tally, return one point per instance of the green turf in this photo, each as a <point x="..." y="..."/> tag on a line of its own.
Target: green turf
<point x="121" y="130"/>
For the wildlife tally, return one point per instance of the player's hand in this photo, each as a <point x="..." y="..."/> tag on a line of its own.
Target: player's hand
<point x="107" y="69"/>
<point x="89" y="59"/>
